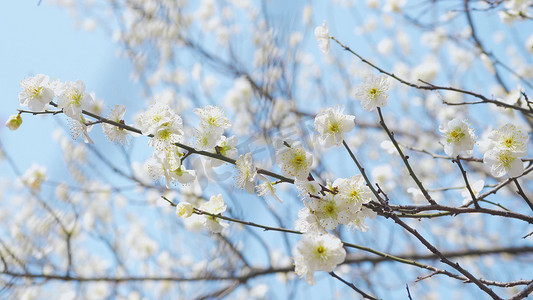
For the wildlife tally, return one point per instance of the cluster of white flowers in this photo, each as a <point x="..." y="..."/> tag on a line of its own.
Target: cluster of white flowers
<point x="458" y="137"/>
<point x="318" y="250"/>
<point x="508" y="144"/>
<point x="37" y="92"/>
<point x="213" y="122"/>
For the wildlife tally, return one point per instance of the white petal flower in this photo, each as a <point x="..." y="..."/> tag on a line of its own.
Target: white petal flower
<point x="316" y="252"/>
<point x="163" y="123"/>
<point x="373" y="92"/>
<point x="307" y="187"/>
<point x="332" y="210"/>
<point x="503" y="162"/>
<point x="212" y="118"/>
<point x="73" y="99"/>
<point x="322" y="37"/>
<point x="226" y="147"/>
<point x="308" y="222"/>
<point x="458" y="137"/>
<point x="267" y="188"/>
<point x="354" y="189"/>
<point x="184" y="210"/>
<point x="247" y="173"/>
<point x="36" y="92"/>
<point x="207" y="139"/>
<point x="114" y="133"/>
<point x="360" y="216"/>
<point x="294" y="161"/>
<point x="511" y="139"/>
<point x="167" y="163"/>
<point x="332" y="124"/>
<point x="476" y="187"/>
<point x="214" y="206"/>
<point x="78" y="127"/>
<point x="34" y="177"/>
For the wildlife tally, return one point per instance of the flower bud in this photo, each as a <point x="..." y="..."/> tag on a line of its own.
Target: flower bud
<point x="184" y="210"/>
<point x="14" y="122"/>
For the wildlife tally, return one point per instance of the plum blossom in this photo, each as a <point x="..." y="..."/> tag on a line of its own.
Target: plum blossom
<point x="214" y="206"/>
<point x="332" y="210"/>
<point x="322" y="37"/>
<point x="294" y="161"/>
<point x="373" y="92"/>
<point x="501" y="162"/>
<point x="510" y="138"/>
<point x="458" y="137"/>
<point x="14" y="122"/>
<point x="36" y="92"/>
<point x="73" y="99"/>
<point x="184" y="210"/>
<point x="246" y="173"/>
<point x="317" y="252"/>
<point x="331" y="124"/>
<point x="114" y="133"/>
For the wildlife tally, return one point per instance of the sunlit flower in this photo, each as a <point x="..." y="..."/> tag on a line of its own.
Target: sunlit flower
<point x="307" y="187"/>
<point x="247" y="173"/>
<point x="267" y="188"/>
<point x="503" y="162"/>
<point x="332" y="124"/>
<point x="184" y="210"/>
<point x="36" y="92"/>
<point x="73" y="99"/>
<point x="317" y="252"/>
<point x="294" y="161"/>
<point x="322" y="37"/>
<point x="114" y="133"/>
<point x="511" y="139"/>
<point x="354" y="189"/>
<point x="373" y="92"/>
<point x="214" y="206"/>
<point x="458" y="137"/>
<point x="332" y="210"/>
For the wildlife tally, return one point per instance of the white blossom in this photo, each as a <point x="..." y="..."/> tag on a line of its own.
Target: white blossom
<point x="35" y="176"/>
<point x="267" y="188"/>
<point x="331" y="124"/>
<point x="317" y="252"/>
<point x="501" y="162"/>
<point x="294" y="161"/>
<point x="184" y="210"/>
<point x="332" y="210"/>
<point x="226" y="147"/>
<point x="163" y="123"/>
<point x="73" y="99"/>
<point x="373" y="92"/>
<point x="214" y="206"/>
<point x="246" y="173"/>
<point x="114" y="133"/>
<point x="354" y="189"/>
<point x="307" y="187"/>
<point x="510" y="138"/>
<point x="36" y="92"/>
<point x="322" y="37"/>
<point x="458" y="137"/>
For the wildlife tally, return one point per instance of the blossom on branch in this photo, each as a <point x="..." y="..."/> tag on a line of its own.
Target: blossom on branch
<point x="247" y="173"/>
<point x="322" y="37"/>
<point x="214" y="206"/>
<point x="373" y="92"/>
<point x="332" y="124"/>
<point x="36" y="92"/>
<point x="510" y="138"/>
<point x="501" y="162"/>
<point x="458" y="137"/>
<point x="114" y="133"/>
<point x="317" y="252"/>
<point x="294" y="161"/>
<point x="73" y="99"/>
<point x="163" y="123"/>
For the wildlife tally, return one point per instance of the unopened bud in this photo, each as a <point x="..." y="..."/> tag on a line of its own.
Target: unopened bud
<point x="14" y="122"/>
